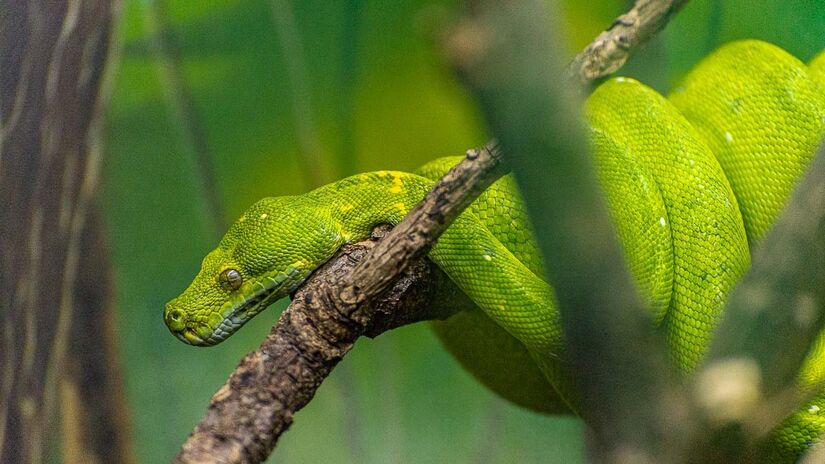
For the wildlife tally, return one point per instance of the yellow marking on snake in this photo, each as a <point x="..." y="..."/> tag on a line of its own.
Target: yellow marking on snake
<point x="397" y="184"/>
<point x="692" y="181"/>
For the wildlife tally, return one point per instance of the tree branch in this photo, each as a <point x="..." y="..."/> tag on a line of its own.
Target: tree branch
<point x="613" y="47"/>
<point x="341" y="301"/>
<point x="256" y="405"/>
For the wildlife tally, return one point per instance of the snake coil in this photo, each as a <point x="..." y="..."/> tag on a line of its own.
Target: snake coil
<point x="693" y="181"/>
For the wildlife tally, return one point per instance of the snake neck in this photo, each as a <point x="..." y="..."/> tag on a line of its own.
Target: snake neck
<point x="359" y="203"/>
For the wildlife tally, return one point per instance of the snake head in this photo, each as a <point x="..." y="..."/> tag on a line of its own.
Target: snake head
<point x="263" y="257"/>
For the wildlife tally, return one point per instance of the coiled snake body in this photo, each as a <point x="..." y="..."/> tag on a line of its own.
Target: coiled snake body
<point x="692" y="181"/>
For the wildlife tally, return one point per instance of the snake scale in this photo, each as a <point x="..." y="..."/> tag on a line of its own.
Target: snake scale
<point x="692" y="181"/>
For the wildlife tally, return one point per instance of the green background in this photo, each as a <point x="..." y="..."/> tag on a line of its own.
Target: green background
<point x="379" y="96"/>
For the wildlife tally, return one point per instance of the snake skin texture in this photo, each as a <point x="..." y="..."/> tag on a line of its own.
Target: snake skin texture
<point x="693" y="181"/>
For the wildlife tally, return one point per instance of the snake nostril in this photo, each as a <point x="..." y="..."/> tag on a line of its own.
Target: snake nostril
<point x="175" y="319"/>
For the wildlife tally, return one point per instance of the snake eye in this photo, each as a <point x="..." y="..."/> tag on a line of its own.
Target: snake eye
<point x="230" y="279"/>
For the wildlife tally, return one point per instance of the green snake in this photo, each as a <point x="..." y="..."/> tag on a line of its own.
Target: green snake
<point x="692" y="181"/>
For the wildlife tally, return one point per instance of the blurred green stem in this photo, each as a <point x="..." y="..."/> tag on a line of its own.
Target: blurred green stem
<point x="310" y="152"/>
<point x="180" y="103"/>
<point x="507" y="55"/>
<point x="353" y="21"/>
<point x="777" y="310"/>
<point x="715" y="20"/>
<point x="312" y="160"/>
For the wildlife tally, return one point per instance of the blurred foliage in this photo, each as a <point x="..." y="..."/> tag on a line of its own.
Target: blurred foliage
<point x="380" y="97"/>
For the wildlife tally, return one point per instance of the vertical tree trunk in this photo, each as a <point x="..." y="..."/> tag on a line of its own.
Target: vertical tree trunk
<point x="55" y="311"/>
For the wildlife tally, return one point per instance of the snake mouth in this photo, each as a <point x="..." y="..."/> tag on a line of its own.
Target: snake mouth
<point x="189" y="336"/>
<point x="239" y="310"/>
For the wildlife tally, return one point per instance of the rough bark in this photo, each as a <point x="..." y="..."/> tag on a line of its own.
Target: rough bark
<point x="612" y="48"/>
<point x="248" y="414"/>
<point x="52" y="57"/>
<point x="345" y="299"/>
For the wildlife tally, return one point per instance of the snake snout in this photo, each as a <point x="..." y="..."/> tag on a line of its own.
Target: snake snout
<point x="179" y="324"/>
<point x="175" y="319"/>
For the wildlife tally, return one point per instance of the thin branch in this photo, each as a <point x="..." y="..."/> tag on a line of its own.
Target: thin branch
<point x="256" y="405"/>
<point x="414" y="236"/>
<point x="613" y="47"/>
<point x="338" y="304"/>
<point x="342" y="301"/>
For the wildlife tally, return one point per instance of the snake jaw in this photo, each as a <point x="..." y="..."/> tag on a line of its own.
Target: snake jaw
<point x="189" y="336"/>
<point x="238" y="311"/>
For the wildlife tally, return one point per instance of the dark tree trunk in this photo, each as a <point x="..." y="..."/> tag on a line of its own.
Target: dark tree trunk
<point x="55" y="281"/>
